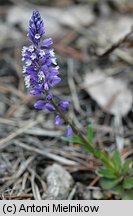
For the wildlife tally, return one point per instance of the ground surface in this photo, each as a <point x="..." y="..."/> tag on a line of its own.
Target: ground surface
<point x="93" y="41"/>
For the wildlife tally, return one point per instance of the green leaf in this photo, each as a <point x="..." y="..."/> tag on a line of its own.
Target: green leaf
<point x="106" y="172"/>
<point x="102" y="154"/>
<point x="77" y="139"/>
<point x="126" y="166"/>
<point x="118" y="189"/>
<point x="105" y="158"/>
<point x="128" y="183"/>
<point x="90" y="134"/>
<point x="116" y="159"/>
<point x="98" y="153"/>
<point x="72" y="139"/>
<point x="108" y="184"/>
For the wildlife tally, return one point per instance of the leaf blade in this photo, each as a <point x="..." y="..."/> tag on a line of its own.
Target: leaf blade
<point x="90" y="134"/>
<point x="128" y="183"/>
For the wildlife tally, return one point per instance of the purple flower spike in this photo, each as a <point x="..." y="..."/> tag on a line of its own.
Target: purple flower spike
<point x="68" y="131"/>
<point x="49" y="107"/>
<point x="40" y="70"/>
<point x="39" y="104"/>
<point x="64" y="105"/>
<point x="58" y="120"/>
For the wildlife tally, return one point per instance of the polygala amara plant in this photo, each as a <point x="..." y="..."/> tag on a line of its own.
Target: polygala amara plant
<point x="41" y="73"/>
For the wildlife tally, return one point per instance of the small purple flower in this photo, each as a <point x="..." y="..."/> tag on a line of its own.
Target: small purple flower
<point x="49" y="107"/>
<point x="39" y="104"/>
<point x="47" y="42"/>
<point x="64" y="105"/>
<point x="58" y="120"/>
<point x="49" y="96"/>
<point x="68" y="131"/>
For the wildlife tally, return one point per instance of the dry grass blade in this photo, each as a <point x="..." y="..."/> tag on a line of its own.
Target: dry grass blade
<point x="24" y="180"/>
<point x="72" y="193"/>
<point x="17" y="132"/>
<point x="72" y="85"/>
<point x="46" y="153"/>
<point x="7" y="121"/>
<point x="24" y="165"/>
<point x="35" y="189"/>
<point x="43" y="132"/>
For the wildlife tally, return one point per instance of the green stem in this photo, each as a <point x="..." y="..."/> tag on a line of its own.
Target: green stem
<point x="75" y="130"/>
<point x="104" y="159"/>
<point x="86" y="144"/>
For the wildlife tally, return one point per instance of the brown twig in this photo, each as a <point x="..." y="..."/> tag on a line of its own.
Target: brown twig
<point x="117" y="44"/>
<point x="94" y="181"/>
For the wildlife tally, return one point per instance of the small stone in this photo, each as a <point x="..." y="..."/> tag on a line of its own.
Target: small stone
<point x="83" y="193"/>
<point x="97" y="194"/>
<point x="59" y="183"/>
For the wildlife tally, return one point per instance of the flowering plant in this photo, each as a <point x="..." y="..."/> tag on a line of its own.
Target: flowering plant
<point x="41" y="73"/>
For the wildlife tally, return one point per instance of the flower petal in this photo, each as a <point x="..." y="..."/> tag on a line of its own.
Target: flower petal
<point x="68" y="131"/>
<point x="39" y="104"/>
<point x="58" y="120"/>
